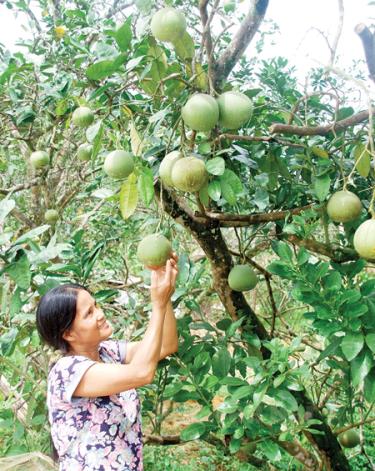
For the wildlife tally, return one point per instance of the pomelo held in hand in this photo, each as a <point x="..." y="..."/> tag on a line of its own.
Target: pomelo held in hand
<point x="344" y="206"/>
<point x="51" y="216"/>
<point x="83" y="117"/>
<point x="119" y="164"/>
<point x="242" y="278"/>
<point x="349" y="439"/>
<point x="168" y="24"/>
<point x="84" y="151"/>
<point x="39" y="159"/>
<point x="189" y="174"/>
<point x="235" y="109"/>
<point x="201" y="112"/>
<point x="364" y="239"/>
<point x="154" y="250"/>
<point x="166" y="166"/>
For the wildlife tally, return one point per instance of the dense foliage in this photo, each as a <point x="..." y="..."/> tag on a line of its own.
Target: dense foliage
<point x="287" y="366"/>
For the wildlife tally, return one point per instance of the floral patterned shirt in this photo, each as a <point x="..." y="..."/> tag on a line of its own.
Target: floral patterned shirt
<point x="93" y="434"/>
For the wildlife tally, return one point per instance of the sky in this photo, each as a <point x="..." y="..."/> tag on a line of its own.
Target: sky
<point x="296" y="38"/>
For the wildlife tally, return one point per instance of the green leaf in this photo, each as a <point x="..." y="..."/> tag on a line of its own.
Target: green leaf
<point x="30" y="235"/>
<point x="6" y="206"/>
<point x="271" y="450"/>
<point x="370" y="341"/>
<point x="184" y="47"/>
<point x="215" y="166"/>
<point x="19" y="271"/>
<point x="193" y="431"/>
<point x="319" y="152"/>
<point x="123" y="35"/>
<point x="146" y="186"/>
<point x="286" y="400"/>
<point x="128" y="196"/>
<point x="232" y="179"/>
<point x="369" y="387"/>
<point x="360" y="368"/>
<point x="92" y="131"/>
<point x="214" y="190"/>
<point x="283" y="251"/>
<point x="362" y="159"/>
<point x="227" y="192"/>
<point x="351" y="345"/>
<point x="203" y="195"/>
<point x="281" y="269"/>
<point x="102" y="69"/>
<point x="241" y="392"/>
<point x="221" y="363"/>
<point x="321" y="186"/>
<point x="330" y="349"/>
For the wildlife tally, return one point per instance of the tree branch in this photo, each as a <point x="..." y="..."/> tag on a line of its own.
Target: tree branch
<point x="240" y="220"/>
<point x="368" y="41"/>
<point x="236" y="137"/>
<point x="240" y="41"/>
<point x="20" y="187"/>
<point x="336" y="254"/>
<point x="353" y="120"/>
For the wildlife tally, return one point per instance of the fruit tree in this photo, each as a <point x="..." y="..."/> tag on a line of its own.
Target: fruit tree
<point x="130" y="129"/>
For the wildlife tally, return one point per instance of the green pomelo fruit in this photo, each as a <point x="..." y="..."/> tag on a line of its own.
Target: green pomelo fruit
<point x="51" y="216"/>
<point x="166" y="165"/>
<point x="84" y="151"/>
<point x="242" y="278"/>
<point x="349" y="439"/>
<point x="364" y="239"/>
<point x="235" y="109"/>
<point x="39" y="159"/>
<point x="344" y="206"/>
<point x="168" y="24"/>
<point x="201" y="112"/>
<point x="154" y="250"/>
<point x="119" y="164"/>
<point x="189" y="174"/>
<point x="83" y="117"/>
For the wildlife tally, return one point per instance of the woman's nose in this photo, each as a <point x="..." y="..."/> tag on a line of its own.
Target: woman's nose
<point x="99" y="315"/>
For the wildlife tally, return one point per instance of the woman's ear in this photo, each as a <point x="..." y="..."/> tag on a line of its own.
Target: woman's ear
<point x="68" y="336"/>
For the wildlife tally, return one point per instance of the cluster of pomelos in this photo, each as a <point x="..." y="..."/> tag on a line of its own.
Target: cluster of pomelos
<point x="202" y="112"/>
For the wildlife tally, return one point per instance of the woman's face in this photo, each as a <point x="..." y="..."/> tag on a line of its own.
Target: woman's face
<point x="90" y="326"/>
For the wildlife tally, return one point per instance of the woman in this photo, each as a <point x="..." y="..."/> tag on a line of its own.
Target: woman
<point x="94" y="410"/>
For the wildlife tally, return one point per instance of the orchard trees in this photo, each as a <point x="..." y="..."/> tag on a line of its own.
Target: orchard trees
<point x="148" y="125"/>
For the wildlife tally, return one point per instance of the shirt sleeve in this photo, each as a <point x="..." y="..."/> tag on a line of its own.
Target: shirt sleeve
<point x="116" y="349"/>
<point x="66" y="375"/>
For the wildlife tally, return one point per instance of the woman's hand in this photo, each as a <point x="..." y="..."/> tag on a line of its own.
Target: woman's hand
<point x="163" y="282"/>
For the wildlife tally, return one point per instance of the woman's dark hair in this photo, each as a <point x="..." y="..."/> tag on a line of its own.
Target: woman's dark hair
<point x="55" y="314"/>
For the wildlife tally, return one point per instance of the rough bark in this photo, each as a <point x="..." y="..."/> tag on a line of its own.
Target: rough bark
<point x="224" y="65"/>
